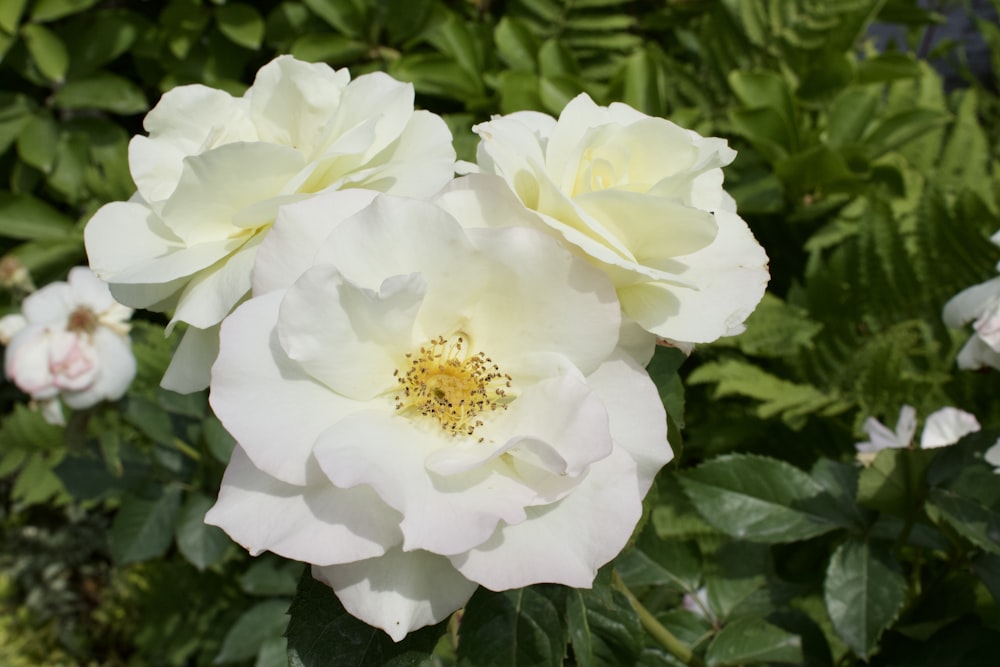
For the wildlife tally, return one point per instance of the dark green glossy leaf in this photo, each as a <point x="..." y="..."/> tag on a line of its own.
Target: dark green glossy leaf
<point x="757" y="498"/>
<point x="328" y="47"/>
<point x="321" y="633"/>
<point x="750" y="641"/>
<point x="349" y="17"/>
<point x="512" y="629"/>
<point x="864" y="592"/>
<point x="979" y="524"/>
<point x="604" y="628"/>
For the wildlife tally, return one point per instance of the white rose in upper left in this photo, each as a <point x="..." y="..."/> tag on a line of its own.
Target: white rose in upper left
<point x="215" y="168"/>
<point x="70" y="342"/>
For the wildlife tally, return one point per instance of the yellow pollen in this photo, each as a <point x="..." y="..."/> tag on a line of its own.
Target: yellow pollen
<point x="444" y="380"/>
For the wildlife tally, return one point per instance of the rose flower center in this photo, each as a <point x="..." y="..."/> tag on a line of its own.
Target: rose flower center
<point x="82" y="320"/>
<point x="447" y="382"/>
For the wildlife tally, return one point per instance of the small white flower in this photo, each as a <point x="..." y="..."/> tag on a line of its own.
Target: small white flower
<point x="422" y="408"/>
<point x="992" y="457"/>
<point x="642" y="199"/>
<point x="214" y="170"/>
<point x="942" y="427"/>
<point x="70" y="342"/>
<point x="979" y="304"/>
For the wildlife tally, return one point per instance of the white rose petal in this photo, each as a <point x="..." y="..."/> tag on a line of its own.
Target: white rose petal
<point x="946" y="427"/>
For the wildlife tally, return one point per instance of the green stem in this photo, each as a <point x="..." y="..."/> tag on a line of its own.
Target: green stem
<point x="664" y="637"/>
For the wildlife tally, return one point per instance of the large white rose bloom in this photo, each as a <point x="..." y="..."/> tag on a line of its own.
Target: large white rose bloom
<point x="642" y="199"/>
<point x="69" y="342"/>
<point x="422" y="408"/>
<point x="215" y="168"/>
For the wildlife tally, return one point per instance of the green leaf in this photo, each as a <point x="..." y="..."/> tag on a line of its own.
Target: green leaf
<point x="750" y="640"/>
<point x="269" y="575"/>
<point x="849" y="115"/>
<point x="658" y="562"/>
<point x="555" y="60"/>
<point x="895" y="481"/>
<point x="519" y="90"/>
<point x="102" y="91"/>
<point x="24" y="428"/>
<point x="758" y="499"/>
<point x="218" y="440"/>
<point x="10" y="15"/>
<point x="144" y="528"/>
<point x="109" y="34"/>
<point x="516" y="45"/>
<point x="202" y="545"/>
<point x="512" y="628"/>
<point x="792" y="401"/>
<point x="241" y="23"/>
<point x="329" y="47"/>
<point x="47" y="51"/>
<point x="434" y="74"/>
<point x="864" y="593"/>
<point x="888" y="66"/>
<point x="642" y="78"/>
<point x="16" y="111"/>
<point x="321" y="633"/>
<point x="347" y="16"/>
<point x="37" y="484"/>
<point x="24" y="217"/>
<point x="603" y="627"/>
<point x="37" y="143"/>
<point x="979" y="524"/>
<point x="895" y="130"/>
<point x="987" y="566"/>
<point x="264" y="621"/>
<point x="50" y="10"/>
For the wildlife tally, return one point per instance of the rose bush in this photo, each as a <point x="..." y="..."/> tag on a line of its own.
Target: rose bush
<point x="69" y="342"/>
<point x="642" y="199"/>
<point x="421" y="408"/>
<point x="215" y="168"/>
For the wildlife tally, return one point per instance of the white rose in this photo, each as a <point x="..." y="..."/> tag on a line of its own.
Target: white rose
<point x="215" y="168"/>
<point x="427" y="408"/>
<point x="979" y="304"/>
<point x="642" y="199"/>
<point x="70" y="342"/>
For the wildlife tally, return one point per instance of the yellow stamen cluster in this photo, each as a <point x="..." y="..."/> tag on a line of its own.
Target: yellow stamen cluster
<point x="445" y="381"/>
